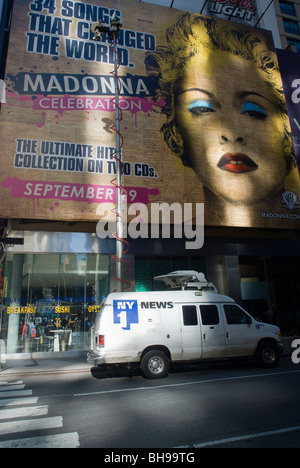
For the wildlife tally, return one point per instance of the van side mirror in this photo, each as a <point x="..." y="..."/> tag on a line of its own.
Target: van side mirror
<point x="248" y="320"/>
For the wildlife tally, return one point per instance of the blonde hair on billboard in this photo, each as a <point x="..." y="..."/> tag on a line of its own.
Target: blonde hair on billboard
<point x="167" y="65"/>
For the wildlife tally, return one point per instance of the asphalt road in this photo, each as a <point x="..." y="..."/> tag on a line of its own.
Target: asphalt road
<point x="209" y="405"/>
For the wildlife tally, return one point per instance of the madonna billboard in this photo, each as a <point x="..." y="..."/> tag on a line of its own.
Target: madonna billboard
<point x="203" y="116"/>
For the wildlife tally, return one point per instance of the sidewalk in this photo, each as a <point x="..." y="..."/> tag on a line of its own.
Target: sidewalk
<point x="51" y="365"/>
<point x="68" y="364"/>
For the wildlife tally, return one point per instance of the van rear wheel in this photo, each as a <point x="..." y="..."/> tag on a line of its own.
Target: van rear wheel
<point x="155" y="364"/>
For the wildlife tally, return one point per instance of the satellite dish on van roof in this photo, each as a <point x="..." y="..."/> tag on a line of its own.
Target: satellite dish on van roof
<point x="187" y="280"/>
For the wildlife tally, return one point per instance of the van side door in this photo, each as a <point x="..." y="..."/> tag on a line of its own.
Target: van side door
<point x="240" y="331"/>
<point x="212" y="331"/>
<point x="190" y="332"/>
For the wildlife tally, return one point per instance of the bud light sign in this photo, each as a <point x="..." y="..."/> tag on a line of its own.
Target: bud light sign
<point x="125" y="313"/>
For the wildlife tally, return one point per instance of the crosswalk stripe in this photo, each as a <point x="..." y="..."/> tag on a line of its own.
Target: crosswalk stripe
<point x="68" y="440"/>
<point x="11" y="383"/>
<point x="23" y="412"/>
<point x="18" y="401"/>
<point x="30" y="425"/>
<point x="15" y="393"/>
<point x="15" y="403"/>
<point x="12" y="387"/>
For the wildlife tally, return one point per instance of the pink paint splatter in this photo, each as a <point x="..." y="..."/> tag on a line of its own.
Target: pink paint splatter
<point x="41" y="124"/>
<point x="52" y="208"/>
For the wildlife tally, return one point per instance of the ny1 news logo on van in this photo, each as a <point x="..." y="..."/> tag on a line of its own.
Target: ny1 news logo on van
<point x="125" y="313"/>
<point x="296" y="353"/>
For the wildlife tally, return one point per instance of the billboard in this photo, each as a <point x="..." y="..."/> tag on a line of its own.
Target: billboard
<point x="251" y="12"/>
<point x="203" y="116"/>
<point x="248" y="11"/>
<point x="290" y="72"/>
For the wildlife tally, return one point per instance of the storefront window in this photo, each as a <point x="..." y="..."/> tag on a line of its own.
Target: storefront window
<point x="49" y="301"/>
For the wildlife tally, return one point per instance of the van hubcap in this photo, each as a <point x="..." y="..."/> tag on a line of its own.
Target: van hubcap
<point x="269" y="354"/>
<point x="156" y="365"/>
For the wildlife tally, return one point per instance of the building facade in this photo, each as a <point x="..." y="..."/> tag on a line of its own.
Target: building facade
<point x="288" y="18"/>
<point x="57" y="184"/>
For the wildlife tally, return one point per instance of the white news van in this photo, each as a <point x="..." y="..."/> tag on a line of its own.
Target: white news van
<point x="153" y="329"/>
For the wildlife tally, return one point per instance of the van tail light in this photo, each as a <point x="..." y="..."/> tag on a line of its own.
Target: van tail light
<point x="100" y="340"/>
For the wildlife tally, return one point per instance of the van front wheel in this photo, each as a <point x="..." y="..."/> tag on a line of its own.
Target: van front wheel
<point x="155" y="364"/>
<point x="267" y="354"/>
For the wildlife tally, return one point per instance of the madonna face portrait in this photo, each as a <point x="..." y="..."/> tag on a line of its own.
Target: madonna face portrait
<point x="226" y="114"/>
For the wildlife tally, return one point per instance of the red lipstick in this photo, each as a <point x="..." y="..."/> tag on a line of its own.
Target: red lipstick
<point x="237" y="163"/>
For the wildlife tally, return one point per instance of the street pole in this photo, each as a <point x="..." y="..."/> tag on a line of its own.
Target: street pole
<point x="119" y="243"/>
<point x="113" y="32"/>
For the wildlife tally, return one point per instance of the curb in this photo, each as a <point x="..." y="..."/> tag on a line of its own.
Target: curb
<point x="58" y="366"/>
<point x="43" y="371"/>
